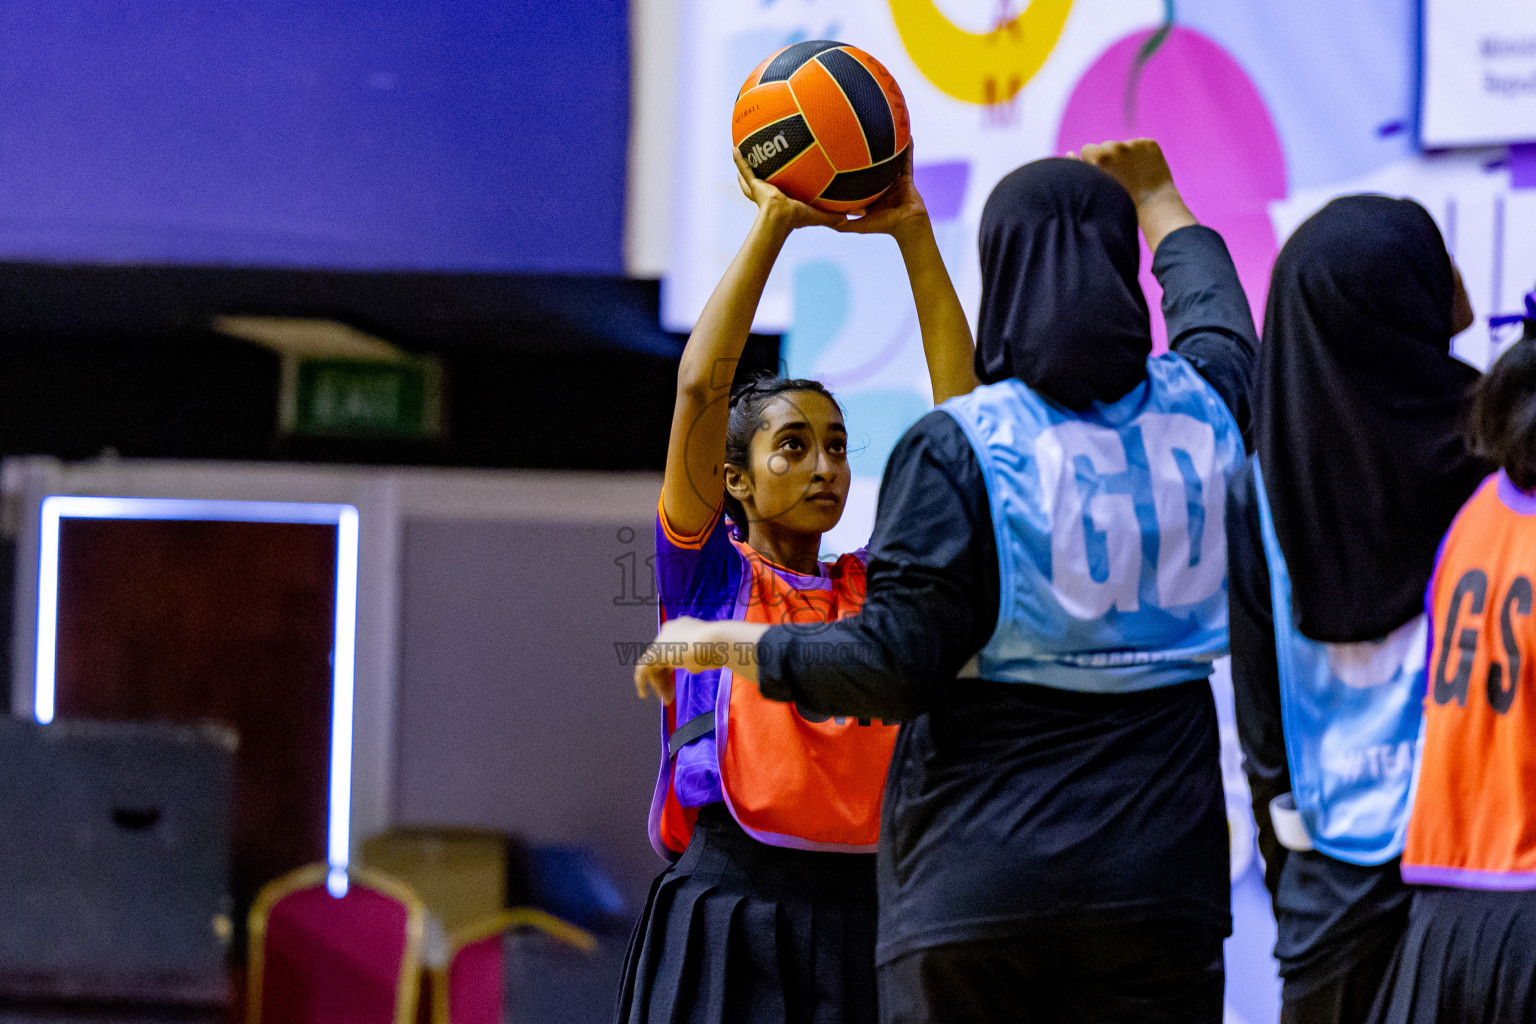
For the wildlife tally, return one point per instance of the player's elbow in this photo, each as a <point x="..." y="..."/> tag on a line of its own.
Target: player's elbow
<point x="693" y="386"/>
<point x="901" y="702"/>
<point x="903" y="688"/>
<point x="701" y="379"/>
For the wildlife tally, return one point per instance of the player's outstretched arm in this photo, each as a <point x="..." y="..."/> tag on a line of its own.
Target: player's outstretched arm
<point x="947" y="343"/>
<point x="1139" y="165"/>
<point x="695" y="645"/>
<point x="693" y="484"/>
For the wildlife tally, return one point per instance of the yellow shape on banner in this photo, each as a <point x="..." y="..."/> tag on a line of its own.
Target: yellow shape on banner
<point x="984" y="68"/>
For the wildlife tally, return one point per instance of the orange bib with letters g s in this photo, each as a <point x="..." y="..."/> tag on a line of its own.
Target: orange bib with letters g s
<point x="1474" y="813"/>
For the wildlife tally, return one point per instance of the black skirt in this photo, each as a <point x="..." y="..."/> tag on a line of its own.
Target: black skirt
<point x="741" y="932"/>
<point x="1469" y="957"/>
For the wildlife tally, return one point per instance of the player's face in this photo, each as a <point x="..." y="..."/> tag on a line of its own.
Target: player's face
<point x="799" y="477"/>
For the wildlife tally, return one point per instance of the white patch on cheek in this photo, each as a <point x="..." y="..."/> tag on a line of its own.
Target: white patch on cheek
<point x="778" y="464"/>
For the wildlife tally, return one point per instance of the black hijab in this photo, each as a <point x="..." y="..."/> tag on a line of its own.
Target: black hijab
<point x="1359" y="408"/>
<point x="1061" y="307"/>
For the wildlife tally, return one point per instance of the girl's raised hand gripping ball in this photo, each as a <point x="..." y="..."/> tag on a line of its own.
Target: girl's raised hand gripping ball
<point x="775" y="205"/>
<point x="898" y="209"/>
<point x="825" y="123"/>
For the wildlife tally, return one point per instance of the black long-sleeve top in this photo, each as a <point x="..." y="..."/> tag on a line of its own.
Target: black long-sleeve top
<point x="1011" y="803"/>
<point x="1324" y="908"/>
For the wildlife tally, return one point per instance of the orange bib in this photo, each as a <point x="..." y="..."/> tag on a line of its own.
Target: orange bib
<point x="791" y="777"/>
<point x="1474" y="812"/>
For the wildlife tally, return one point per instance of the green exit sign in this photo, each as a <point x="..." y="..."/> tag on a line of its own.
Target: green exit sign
<point x="333" y="397"/>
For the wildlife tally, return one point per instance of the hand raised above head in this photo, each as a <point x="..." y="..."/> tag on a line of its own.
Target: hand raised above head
<point x="1140" y="167"/>
<point x="1137" y="164"/>
<point x="775" y="205"/>
<point x="897" y="206"/>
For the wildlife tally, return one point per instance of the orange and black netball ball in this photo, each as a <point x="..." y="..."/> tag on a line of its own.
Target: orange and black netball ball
<point x="825" y="123"/>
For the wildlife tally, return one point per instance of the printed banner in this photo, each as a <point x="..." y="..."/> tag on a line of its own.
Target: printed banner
<point x="1265" y="112"/>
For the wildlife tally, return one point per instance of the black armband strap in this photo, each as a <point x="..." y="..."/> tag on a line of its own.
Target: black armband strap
<point x="689" y="731"/>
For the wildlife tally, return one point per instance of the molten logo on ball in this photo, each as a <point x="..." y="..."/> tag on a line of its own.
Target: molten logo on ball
<point x="764" y="150"/>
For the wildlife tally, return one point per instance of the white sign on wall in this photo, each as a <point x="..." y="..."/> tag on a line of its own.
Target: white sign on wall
<point x="1479" y="72"/>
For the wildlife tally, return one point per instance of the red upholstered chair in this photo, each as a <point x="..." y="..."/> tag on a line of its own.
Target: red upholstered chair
<point x="467" y="986"/>
<point x="319" y="959"/>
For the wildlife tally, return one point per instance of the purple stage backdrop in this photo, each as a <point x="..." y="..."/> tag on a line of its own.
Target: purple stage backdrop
<point x="453" y="135"/>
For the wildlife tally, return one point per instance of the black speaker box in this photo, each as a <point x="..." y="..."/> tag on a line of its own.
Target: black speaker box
<point x="114" y="861"/>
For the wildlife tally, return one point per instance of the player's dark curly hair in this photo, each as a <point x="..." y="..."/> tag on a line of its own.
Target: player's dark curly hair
<point x="748" y="398"/>
<point x="1503" y="423"/>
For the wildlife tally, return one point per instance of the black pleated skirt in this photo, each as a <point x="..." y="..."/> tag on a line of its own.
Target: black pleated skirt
<point x="741" y="932"/>
<point x="1469" y="957"/>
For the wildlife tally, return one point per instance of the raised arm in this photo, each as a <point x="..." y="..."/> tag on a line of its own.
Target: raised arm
<point x="947" y="343"/>
<point x="694" y="483"/>
<point x="1204" y="305"/>
<point x="1139" y="165"/>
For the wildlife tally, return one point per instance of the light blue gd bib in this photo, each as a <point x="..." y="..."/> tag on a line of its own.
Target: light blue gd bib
<point x="1352" y="715"/>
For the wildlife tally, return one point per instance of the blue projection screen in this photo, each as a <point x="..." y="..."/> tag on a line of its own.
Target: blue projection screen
<point x="460" y="135"/>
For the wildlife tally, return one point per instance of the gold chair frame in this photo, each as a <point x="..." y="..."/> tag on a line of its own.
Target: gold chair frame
<point x="516" y="917"/>
<point x="408" y="989"/>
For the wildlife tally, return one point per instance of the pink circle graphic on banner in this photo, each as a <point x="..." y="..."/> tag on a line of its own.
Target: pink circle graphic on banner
<point x="1215" y="129"/>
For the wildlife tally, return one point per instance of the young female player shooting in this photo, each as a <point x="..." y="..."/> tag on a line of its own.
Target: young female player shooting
<point x="770" y="812"/>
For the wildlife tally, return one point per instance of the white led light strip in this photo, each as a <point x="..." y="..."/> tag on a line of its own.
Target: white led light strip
<point x="343" y="654"/>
